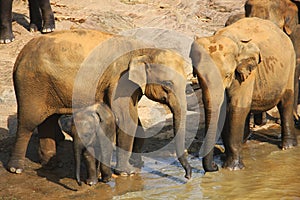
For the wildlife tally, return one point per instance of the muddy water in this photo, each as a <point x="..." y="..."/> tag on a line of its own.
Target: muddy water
<point x="270" y="173"/>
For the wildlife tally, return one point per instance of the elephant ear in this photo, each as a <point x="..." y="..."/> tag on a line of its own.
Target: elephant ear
<point x="137" y="70"/>
<point x="248" y="59"/>
<point x="290" y="18"/>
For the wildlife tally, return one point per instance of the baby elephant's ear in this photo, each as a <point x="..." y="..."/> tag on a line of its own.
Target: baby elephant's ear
<point x="137" y="70"/>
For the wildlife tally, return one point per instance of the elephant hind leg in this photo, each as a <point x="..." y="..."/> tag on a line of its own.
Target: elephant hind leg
<point x="49" y="133"/>
<point x="17" y="159"/>
<point x="285" y="108"/>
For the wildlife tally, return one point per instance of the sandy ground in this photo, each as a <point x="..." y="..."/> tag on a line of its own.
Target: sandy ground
<point x="181" y="19"/>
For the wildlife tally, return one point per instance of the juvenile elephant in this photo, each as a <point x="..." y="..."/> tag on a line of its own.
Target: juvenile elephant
<point x="252" y="74"/>
<point x="41" y="18"/>
<point x="93" y="131"/>
<point x="69" y="71"/>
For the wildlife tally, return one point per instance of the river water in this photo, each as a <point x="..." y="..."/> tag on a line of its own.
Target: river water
<point x="270" y="173"/>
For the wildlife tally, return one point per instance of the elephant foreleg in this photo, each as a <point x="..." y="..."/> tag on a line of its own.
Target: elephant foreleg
<point x="127" y="124"/>
<point x="285" y="108"/>
<point x="106" y="150"/>
<point x="90" y="163"/>
<point x="233" y="139"/>
<point x="136" y="157"/>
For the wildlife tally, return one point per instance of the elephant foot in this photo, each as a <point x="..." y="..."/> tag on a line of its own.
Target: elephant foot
<point x="48" y="29"/>
<point x="128" y="171"/>
<point x="49" y="25"/>
<point x="289" y="143"/>
<point x="92" y="181"/>
<point x="105" y="179"/>
<point x="6" y="37"/>
<point x="136" y="161"/>
<point x="234" y="164"/>
<point x="45" y="29"/>
<point x="15" y="166"/>
<point x="212" y="168"/>
<point x="33" y="27"/>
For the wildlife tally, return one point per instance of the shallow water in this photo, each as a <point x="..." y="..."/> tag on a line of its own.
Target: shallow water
<point x="270" y="173"/>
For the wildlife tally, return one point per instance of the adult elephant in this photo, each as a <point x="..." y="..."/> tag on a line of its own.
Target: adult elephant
<point x="118" y="72"/>
<point x="41" y="18"/>
<point x="284" y="13"/>
<point x="252" y="74"/>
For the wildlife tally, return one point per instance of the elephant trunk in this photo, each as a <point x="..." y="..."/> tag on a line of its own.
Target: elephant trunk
<point x="213" y="97"/>
<point x="179" y="123"/>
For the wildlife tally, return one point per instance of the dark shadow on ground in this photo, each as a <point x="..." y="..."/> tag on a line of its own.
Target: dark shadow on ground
<point x="21" y="19"/>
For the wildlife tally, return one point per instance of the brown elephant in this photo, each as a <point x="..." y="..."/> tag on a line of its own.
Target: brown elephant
<point x="252" y="74"/>
<point x="93" y="130"/>
<point x="77" y="68"/>
<point x="284" y="13"/>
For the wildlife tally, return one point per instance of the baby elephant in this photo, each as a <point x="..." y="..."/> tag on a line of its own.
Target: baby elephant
<point x="93" y="131"/>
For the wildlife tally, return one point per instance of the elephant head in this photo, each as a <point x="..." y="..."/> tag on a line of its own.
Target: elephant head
<point x="161" y="75"/>
<point x="283" y="13"/>
<point x="93" y="127"/>
<point x="218" y="61"/>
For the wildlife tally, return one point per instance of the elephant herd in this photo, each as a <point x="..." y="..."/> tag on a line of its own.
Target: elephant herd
<point x="247" y="66"/>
